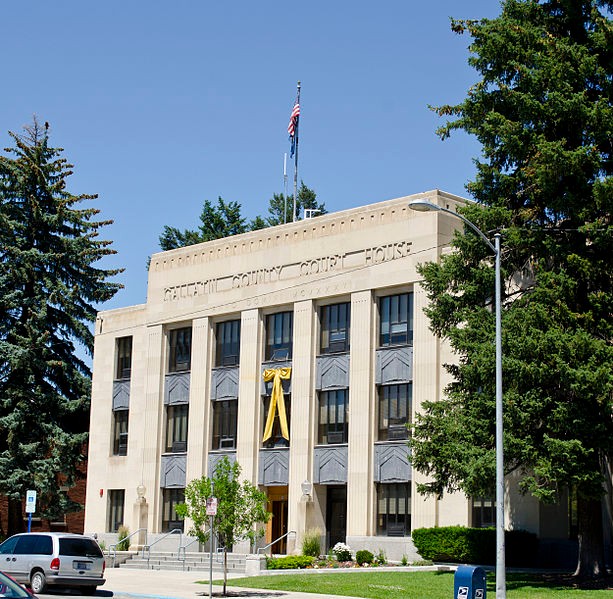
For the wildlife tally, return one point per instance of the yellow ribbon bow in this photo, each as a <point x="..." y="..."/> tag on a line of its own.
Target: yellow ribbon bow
<point x="276" y="398"/>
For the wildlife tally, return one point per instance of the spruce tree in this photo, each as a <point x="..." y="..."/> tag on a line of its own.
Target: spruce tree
<point x="223" y="220"/>
<point x="281" y="208"/>
<point x="50" y="282"/>
<point x="543" y="114"/>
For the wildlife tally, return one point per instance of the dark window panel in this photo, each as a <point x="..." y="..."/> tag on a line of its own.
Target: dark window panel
<point x="225" y="416"/>
<point x="333" y="417"/>
<point x="228" y="343"/>
<point x="335" y="328"/>
<point x="180" y="350"/>
<point x="396" y="320"/>
<point x="124" y="358"/>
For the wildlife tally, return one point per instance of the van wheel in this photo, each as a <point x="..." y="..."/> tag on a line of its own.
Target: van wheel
<point x="38" y="582"/>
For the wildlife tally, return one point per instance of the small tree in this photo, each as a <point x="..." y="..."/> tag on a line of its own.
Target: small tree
<point x="281" y="208"/>
<point x="222" y="220"/>
<point x="240" y="507"/>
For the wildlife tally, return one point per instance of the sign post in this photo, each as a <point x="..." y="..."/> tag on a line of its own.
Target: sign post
<point x="30" y="507"/>
<point x="211" y="511"/>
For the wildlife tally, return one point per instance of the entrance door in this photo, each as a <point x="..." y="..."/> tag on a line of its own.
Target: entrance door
<point x="279" y="525"/>
<point x="336" y="515"/>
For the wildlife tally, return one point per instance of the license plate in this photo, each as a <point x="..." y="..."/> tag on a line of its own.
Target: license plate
<point x="82" y="566"/>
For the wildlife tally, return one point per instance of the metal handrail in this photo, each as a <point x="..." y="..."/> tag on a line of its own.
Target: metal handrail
<point x="291" y="532"/>
<point x="183" y="547"/>
<point x="113" y="548"/>
<point x="147" y="548"/>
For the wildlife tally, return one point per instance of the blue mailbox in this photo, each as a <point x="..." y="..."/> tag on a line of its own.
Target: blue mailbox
<point x="469" y="583"/>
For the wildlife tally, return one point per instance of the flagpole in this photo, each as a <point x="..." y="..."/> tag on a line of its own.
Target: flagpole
<point x="296" y="154"/>
<point x="284" y="187"/>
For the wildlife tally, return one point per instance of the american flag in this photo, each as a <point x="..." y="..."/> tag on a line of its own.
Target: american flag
<point x="293" y="126"/>
<point x="293" y="120"/>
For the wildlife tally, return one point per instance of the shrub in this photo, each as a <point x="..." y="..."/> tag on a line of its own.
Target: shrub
<point x="405" y="560"/>
<point x="123" y="544"/>
<point x="381" y="558"/>
<point x="422" y="562"/>
<point x="458" y="544"/>
<point x="311" y="542"/>
<point x="342" y="552"/>
<point x="363" y="556"/>
<point x="289" y="562"/>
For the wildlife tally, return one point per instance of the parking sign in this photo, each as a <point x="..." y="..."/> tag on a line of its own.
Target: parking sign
<point x="211" y="506"/>
<point x="30" y="502"/>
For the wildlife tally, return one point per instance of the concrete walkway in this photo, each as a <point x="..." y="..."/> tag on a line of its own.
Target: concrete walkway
<point x="162" y="584"/>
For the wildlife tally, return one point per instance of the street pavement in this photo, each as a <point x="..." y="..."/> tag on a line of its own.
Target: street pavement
<point x="124" y="583"/>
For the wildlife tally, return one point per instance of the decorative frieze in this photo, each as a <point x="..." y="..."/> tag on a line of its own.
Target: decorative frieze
<point x="266" y="386"/>
<point x="306" y="269"/>
<point x="332" y="372"/>
<point x="216" y="457"/>
<point x="224" y="382"/>
<point x="330" y="465"/>
<point x="394" y="365"/>
<point x="392" y="463"/>
<point x="274" y="467"/>
<point x="248" y="243"/>
<point x="121" y="395"/>
<point x="176" y="388"/>
<point x="173" y="467"/>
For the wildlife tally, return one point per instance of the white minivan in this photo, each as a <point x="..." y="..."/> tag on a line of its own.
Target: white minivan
<point x="44" y="559"/>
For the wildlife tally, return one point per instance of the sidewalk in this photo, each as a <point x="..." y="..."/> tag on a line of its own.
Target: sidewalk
<point x="167" y="584"/>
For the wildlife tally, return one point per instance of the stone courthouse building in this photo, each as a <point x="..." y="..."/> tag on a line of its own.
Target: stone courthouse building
<point x="332" y="306"/>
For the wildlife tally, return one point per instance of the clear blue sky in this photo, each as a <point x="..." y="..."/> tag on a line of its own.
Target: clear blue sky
<point x="161" y="105"/>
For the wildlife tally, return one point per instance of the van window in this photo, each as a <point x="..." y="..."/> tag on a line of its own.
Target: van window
<point x="34" y="545"/>
<point x="79" y="547"/>
<point x="9" y="545"/>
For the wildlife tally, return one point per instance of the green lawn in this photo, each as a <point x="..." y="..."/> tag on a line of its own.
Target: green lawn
<point x="411" y="585"/>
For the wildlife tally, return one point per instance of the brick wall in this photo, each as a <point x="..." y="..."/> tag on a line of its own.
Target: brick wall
<point x="73" y="522"/>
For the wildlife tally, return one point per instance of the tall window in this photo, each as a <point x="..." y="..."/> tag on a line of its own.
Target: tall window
<point x="333" y="413"/>
<point x="483" y="511"/>
<point x="394" y="510"/>
<point x="120" y="432"/>
<point x="335" y="320"/>
<point x="176" y="428"/>
<point x="170" y="499"/>
<point x="277" y="439"/>
<point x="124" y="358"/>
<point x="228" y="343"/>
<point x="180" y="349"/>
<point x="396" y="319"/>
<point x="224" y="424"/>
<point x="394" y="411"/>
<point x="279" y="336"/>
<point x="115" y="509"/>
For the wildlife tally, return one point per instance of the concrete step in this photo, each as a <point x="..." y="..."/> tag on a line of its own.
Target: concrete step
<point x="192" y="562"/>
<point x="171" y="567"/>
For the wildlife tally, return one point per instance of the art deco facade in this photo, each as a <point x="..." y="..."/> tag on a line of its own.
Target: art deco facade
<point x="330" y="307"/>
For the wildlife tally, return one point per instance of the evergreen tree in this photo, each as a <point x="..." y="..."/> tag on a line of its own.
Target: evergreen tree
<point x="216" y="222"/>
<point x="542" y="112"/>
<point x="226" y="219"/>
<point x="48" y="250"/>
<point x="281" y="208"/>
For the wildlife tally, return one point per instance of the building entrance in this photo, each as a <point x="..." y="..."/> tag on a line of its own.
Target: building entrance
<point x="279" y="525"/>
<point x="336" y="515"/>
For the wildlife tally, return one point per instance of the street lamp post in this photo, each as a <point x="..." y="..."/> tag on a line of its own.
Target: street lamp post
<point x="425" y="206"/>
